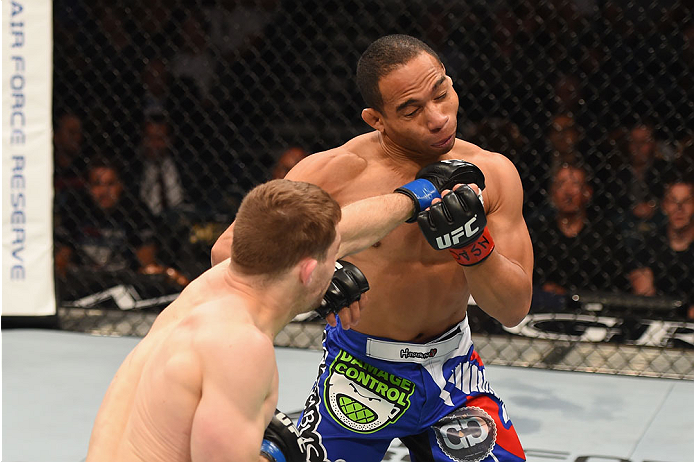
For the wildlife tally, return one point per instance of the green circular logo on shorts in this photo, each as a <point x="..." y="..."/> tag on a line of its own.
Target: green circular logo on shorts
<point x="363" y="398"/>
<point x="356" y="411"/>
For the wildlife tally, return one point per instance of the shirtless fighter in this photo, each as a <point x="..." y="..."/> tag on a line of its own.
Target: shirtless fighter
<point x="202" y="385"/>
<point x="409" y="369"/>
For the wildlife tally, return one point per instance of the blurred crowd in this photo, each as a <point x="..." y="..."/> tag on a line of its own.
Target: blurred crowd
<point x="165" y="113"/>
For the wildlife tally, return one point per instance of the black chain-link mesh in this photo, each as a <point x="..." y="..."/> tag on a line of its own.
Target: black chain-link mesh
<point x="202" y="100"/>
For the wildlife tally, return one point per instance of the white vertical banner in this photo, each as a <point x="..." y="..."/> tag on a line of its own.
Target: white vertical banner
<point x="27" y="158"/>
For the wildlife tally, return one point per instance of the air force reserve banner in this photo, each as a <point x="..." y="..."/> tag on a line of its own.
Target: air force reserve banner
<point x="27" y="159"/>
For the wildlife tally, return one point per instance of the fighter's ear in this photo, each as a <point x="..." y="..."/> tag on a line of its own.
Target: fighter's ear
<point x="373" y="118"/>
<point x="307" y="267"/>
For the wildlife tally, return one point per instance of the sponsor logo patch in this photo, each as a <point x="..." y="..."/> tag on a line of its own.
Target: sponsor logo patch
<point x="363" y="398"/>
<point x="406" y="353"/>
<point x="467" y="434"/>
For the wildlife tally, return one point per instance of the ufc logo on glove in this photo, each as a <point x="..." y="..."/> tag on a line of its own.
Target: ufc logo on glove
<point x="454" y="237"/>
<point x="458" y="223"/>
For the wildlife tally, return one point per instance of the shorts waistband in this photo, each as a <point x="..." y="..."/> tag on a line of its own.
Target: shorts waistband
<point x="456" y="339"/>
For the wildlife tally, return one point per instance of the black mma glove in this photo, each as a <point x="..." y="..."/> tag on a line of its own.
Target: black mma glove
<point x="432" y="179"/>
<point x="458" y="223"/>
<point x="346" y="287"/>
<point x="281" y="441"/>
<point x="447" y="173"/>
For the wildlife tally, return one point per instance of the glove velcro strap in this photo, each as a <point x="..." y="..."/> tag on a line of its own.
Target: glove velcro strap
<point x="272" y="452"/>
<point x="475" y="252"/>
<point x="422" y="192"/>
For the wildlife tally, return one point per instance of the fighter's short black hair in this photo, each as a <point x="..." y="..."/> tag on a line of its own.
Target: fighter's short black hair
<point x="382" y="57"/>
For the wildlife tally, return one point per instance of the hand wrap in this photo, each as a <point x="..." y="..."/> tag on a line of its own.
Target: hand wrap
<point x="458" y="223"/>
<point x="281" y="441"/>
<point x="346" y="287"/>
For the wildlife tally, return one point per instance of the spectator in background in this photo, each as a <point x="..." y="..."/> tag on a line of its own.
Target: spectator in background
<point x="563" y="139"/>
<point x="665" y="260"/>
<point x="636" y="186"/>
<point x="645" y="173"/>
<point x="70" y="162"/>
<point x="575" y="248"/>
<point x="160" y="95"/>
<point x="287" y="161"/>
<point x="107" y="232"/>
<point x="559" y="146"/>
<point x="161" y="189"/>
<point x="160" y="186"/>
<point x="575" y="127"/>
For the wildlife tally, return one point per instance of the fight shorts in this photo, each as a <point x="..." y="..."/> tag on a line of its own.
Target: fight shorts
<point x="433" y="396"/>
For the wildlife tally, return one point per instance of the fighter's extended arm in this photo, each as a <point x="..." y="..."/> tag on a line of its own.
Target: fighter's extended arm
<point x="369" y="220"/>
<point x="364" y="222"/>
<point x="237" y="375"/>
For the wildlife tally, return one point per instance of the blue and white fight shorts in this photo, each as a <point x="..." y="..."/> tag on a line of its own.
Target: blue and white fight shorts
<point x="433" y="396"/>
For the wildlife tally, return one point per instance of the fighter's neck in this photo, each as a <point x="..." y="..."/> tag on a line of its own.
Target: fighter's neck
<point x="266" y="303"/>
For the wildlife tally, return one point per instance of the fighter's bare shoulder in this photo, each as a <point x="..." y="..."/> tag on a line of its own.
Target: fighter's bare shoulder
<point x="501" y="176"/>
<point x="344" y="162"/>
<point x="224" y="322"/>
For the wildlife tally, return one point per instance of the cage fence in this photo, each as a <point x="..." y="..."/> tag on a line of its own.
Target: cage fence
<point x="166" y="113"/>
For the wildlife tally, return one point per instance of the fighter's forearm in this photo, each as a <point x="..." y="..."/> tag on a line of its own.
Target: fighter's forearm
<point x="367" y="221"/>
<point x="501" y="288"/>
